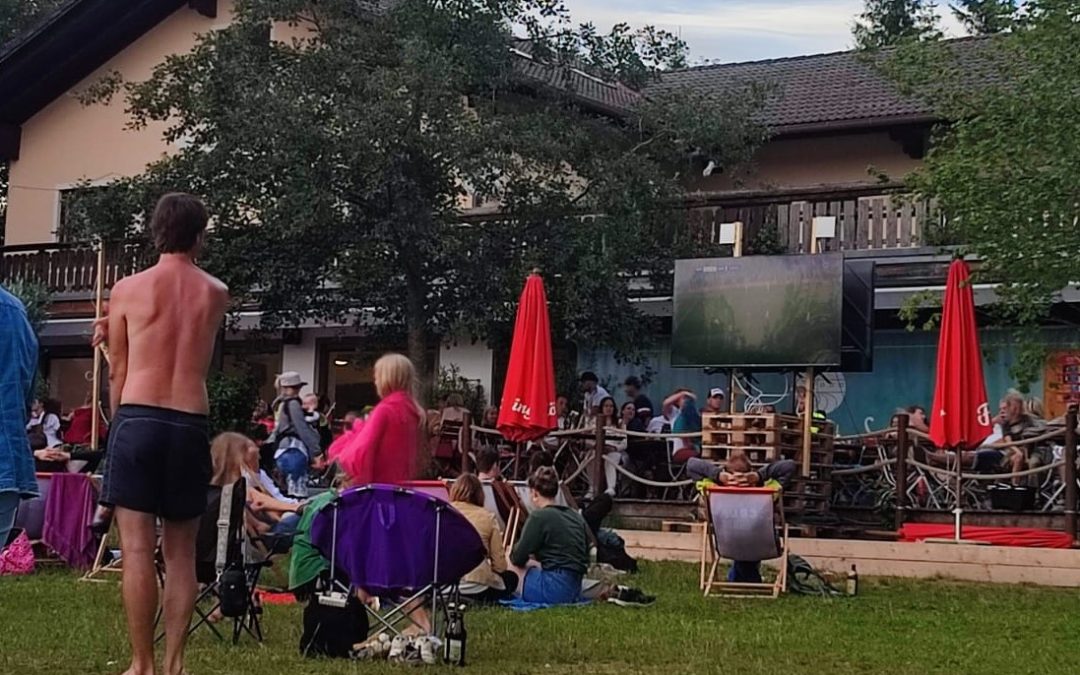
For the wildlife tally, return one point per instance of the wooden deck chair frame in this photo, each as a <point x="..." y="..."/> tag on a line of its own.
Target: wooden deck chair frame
<point x="710" y="555"/>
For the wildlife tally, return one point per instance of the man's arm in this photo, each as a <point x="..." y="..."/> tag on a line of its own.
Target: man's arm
<point x="118" y="347"/>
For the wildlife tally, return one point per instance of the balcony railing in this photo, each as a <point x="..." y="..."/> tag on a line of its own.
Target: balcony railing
<point x="69" y="268"/>
<point x="871" y="222"/>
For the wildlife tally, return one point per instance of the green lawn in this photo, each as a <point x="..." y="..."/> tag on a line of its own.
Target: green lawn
<point x="52" y="623"/>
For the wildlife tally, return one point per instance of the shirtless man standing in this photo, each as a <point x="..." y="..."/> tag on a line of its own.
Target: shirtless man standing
<point x="161" y="328"/>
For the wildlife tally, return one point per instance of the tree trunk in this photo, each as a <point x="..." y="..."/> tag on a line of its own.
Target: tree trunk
<point x="416" y="330"/>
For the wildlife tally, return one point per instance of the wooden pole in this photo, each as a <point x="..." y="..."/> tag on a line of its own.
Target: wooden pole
<point x="597" y="468"/>
<point x="808" y="422"/>
<point x="808" y="401"/>
<point x="736" y="252"/>
<point x="1070" y="471"/>
<point x="465" y="442"/>
<point x="901" y="468"/>
<point x="95" y="395"/>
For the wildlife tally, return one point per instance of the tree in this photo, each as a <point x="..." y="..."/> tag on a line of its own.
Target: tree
<point x="985" y="17"/>
<point x="884" y="23"/>
<point x="15" y="17"/>
<point x="337" y="164"/>
<point x="1006" y="169"/>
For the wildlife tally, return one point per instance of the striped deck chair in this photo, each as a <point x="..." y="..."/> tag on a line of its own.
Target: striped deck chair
<point x="743" y="524"/>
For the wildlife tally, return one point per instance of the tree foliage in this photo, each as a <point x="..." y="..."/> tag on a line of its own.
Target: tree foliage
<point x="1006" y="170"/>
<point x="985" y="17"/>
<point x="884" y="23"/>
<point x="337" y="163"/>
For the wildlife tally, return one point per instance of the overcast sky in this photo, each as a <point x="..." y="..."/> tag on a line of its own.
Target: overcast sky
<point x="740" y="30"/>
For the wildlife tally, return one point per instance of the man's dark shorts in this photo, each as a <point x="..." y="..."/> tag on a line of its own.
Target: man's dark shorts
<point x="158" y="461"/>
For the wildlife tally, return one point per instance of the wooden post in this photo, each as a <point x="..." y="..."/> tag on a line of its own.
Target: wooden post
<point x="1070" y="472"/>
<point x="597" y="469"/>
<point x="95" y="395"/>
<point x="808" y="422"/>
<point x="737" y="251"/>
<point x="465" y="442"/>
<point x="901" y="467"/>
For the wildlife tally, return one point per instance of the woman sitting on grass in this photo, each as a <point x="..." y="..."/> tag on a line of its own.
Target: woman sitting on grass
<point x="552" y="555"/>
<point x="491" y="579"/>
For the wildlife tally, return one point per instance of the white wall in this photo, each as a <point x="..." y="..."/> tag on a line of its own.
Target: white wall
<point x="475" y="361"/>
<point x="301" y="357"/>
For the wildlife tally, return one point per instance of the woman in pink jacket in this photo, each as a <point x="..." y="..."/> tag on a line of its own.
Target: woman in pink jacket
<point x="384" y="449"/>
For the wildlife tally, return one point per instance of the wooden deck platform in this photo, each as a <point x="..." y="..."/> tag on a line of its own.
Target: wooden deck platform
<point x="994" y="564"/>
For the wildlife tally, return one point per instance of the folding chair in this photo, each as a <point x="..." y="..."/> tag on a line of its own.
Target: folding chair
<point x="399" y="545"/>
<point x="222" y="545"/>
<point x="743" y="524"/>
<point x="436" y="488"/>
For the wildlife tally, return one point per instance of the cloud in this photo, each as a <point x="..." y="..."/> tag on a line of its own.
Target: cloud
<point x="740" y="30"/>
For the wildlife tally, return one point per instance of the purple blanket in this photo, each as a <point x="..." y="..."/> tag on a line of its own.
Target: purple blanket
<point x="69" y="510"/>
<point x="386" y="539"/>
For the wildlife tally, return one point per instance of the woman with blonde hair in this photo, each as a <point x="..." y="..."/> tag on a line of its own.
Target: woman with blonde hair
<point x="385" y="449"/>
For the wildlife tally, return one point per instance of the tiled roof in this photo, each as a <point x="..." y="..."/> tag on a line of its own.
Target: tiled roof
<point x="815" y="90"/>
<point x="614" y="98"/>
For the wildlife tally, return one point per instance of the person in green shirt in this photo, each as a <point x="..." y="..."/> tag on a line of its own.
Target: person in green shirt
<point x="552" y="555"/>
<point x="306" y="563"/>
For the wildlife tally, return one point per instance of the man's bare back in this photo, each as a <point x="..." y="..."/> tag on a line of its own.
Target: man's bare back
<point x="162" y="327"/>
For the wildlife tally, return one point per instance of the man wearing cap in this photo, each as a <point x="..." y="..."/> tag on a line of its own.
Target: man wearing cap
<point x="715" y="402"/>
<point x="295" y="440"/>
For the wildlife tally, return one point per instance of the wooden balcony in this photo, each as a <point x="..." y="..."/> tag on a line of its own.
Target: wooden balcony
<point x="863" y="222"/>
<point x="69" y="269"/>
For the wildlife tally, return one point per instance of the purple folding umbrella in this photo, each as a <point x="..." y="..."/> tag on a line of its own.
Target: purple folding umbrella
<point x="389" y="539"/>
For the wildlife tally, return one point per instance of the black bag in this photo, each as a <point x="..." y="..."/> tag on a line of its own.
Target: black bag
<point x="232" y="587"/>
<point x="332" y="631"/>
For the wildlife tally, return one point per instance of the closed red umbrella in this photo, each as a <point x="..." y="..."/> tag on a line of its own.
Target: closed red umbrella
<point x="961" y="415"/>
<point x="528" y="400"/>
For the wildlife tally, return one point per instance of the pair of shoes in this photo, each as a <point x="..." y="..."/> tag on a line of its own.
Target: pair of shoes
<point x="422" y="649"/>
<point x="631" y="597"/>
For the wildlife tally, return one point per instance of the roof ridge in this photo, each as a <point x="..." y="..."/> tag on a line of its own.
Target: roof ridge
<point x="806" y="57"/>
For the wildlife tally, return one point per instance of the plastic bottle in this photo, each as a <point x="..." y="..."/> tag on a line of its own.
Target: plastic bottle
<point x="853" y="581"/>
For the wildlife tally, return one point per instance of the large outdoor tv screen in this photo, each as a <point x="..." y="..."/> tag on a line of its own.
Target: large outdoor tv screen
<point x="758" y="311"/>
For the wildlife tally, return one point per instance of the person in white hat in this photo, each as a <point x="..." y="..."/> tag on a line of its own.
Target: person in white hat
<point x="296" y="440"/>
<point x="716" y="403"/>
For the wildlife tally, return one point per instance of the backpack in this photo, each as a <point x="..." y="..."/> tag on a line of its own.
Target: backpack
<point x="803" y="579"/>
<point x="332" y="631"/>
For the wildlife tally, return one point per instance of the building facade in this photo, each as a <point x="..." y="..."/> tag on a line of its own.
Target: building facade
<point x="842" y="141"/>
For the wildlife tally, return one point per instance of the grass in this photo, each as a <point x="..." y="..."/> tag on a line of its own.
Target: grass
<point x="51" y="623"/>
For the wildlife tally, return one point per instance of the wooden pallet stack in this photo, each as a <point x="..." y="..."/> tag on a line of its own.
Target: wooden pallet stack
<point x="767" y="438"/>
<point x="764" y="438"/>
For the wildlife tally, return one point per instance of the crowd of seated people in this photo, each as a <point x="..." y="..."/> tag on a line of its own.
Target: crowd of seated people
<point x="1018" y="419"/>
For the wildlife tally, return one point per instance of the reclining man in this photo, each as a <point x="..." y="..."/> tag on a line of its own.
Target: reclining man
<point x="737" y="472"/>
